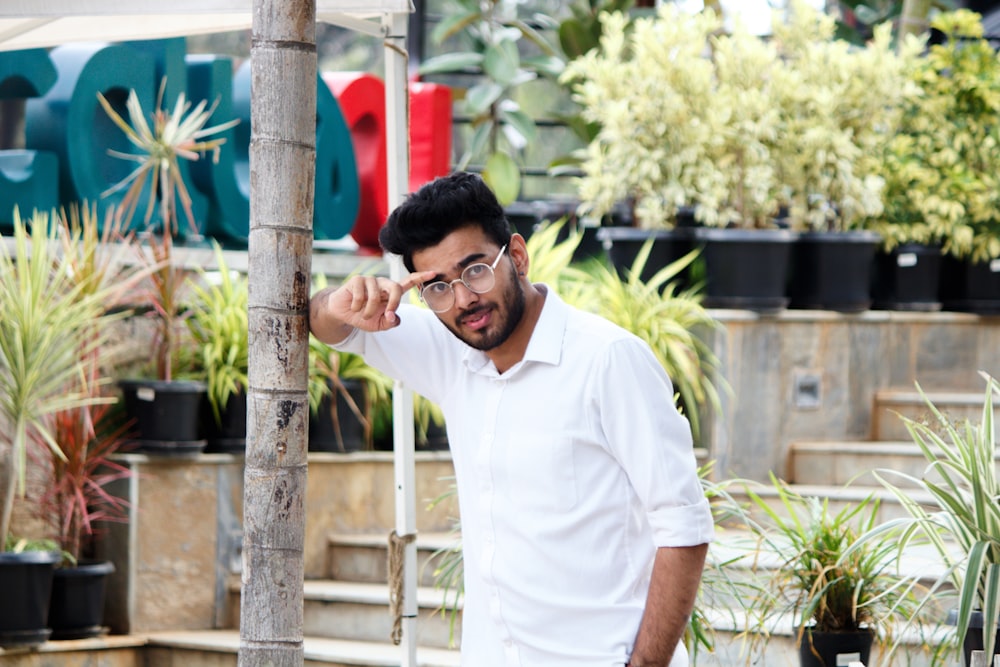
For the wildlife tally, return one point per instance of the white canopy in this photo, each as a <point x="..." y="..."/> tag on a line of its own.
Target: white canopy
<point x="26" y="24"/>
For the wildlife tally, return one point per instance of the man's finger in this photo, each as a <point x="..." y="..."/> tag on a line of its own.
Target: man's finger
<point x="416" y="278"/>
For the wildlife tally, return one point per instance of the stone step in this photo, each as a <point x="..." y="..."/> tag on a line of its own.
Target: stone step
<point x="364" y="557"/>
<point x="219" y="648"/>
<point x="838" y="496"/>
<point x="890" y="404"/>
<point x="841" y="463"/>
<point x="105" y="651"/>
<point x="360" y="612"/>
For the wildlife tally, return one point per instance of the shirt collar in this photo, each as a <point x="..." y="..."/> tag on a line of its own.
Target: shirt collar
<point x="545" y="345"/>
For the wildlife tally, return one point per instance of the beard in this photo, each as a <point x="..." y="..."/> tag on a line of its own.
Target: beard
<point x="498" y="332"/>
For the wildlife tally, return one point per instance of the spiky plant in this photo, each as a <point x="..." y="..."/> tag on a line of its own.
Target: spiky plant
<point x="51" y="325"/>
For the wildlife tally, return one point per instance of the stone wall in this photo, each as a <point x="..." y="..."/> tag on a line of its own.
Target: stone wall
<point x="180" y="551"/>
<point x="813" y="375"/>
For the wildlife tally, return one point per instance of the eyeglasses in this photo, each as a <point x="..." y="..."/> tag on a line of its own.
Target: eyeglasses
<point x="479" y="278"/>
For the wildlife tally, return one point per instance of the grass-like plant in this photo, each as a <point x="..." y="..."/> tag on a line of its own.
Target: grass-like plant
<point x="219" y="325"/>
<point x="817" y="574"/>
<point x="51" y="323"/>
<point x="963" y="519"/>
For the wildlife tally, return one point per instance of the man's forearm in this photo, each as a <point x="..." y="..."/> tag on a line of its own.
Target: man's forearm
<point x="672" y="592"/>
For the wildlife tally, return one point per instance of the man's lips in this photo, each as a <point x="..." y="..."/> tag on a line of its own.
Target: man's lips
<point x="477" y="319"/>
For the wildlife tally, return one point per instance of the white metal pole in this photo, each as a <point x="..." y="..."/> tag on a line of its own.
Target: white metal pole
<point x="398" y="168"/>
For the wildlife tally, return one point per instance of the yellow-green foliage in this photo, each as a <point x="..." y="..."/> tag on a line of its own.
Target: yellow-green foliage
<point x="838" y="104"/>
<point x="737" y="126"/>
<point x="942" y="170"/>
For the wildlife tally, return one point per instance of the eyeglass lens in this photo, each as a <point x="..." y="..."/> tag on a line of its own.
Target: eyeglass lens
<point x="479" y="278"/>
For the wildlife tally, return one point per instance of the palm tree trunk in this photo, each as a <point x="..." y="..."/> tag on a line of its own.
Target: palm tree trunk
<point x="913" y="18"/>
<point x="282" y="157"/>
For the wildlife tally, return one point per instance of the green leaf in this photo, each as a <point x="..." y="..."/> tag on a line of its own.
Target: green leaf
<point x="550" y="66"/>
<point x="477" y="145"/>
<point x="452" y="62"/>
<point x="480" y="97"/>
<point x="503" y="176"/>
<point x="454" y="24"/>
<point x="501" y="62"/>
<point x="521" y="122"/>
<point x="575" y="38"/>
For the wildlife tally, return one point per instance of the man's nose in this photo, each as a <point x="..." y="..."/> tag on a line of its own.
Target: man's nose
<point x="464" y="297"/>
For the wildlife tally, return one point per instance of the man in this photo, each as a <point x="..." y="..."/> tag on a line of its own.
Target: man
<point x="584" y="527"/>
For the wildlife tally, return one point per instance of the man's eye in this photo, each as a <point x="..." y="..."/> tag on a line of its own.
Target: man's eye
<point x="437" y="288"/>
<point x="476" y="271"/>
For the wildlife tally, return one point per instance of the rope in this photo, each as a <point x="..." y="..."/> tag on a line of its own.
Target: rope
<point x="397" y="550"/>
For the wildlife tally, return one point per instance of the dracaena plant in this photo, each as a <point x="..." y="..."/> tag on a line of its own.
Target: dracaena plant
<point x="813" y="567"/>
<point x="219" y="325"/>
<point x="180" y="133"/>
<point x="75" y="499"/>
<point x="52" y="326"/>
<point x="962" y="519"/>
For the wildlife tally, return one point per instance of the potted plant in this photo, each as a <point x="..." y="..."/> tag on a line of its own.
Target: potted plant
<point x="753" y="135"/>
<point x="72" y="497"/>
<point x="678" y="129"/>
<point x="839" y="104"/>
<point x="941" y="167"/>
<point x="51" y="325"/>
<point x="167" y="411"/>
<point x="218" y="324"/>
<point x="839" y="593"/>
<point x="962" y="520"/>
<point x="75" y="502"/>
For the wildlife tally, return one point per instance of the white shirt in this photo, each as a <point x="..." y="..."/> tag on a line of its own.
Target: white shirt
<point x="572" y="468"/>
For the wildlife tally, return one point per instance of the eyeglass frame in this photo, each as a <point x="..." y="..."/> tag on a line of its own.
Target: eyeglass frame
<point x="451" y="284"/>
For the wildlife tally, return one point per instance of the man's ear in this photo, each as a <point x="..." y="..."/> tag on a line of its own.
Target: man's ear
<point x="518" y="251"/>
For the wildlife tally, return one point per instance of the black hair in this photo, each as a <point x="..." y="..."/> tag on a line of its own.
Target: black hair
<point x="439" y="208"/>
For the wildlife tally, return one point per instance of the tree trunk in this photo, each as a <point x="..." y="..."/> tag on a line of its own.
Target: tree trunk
<point x="913" y="18"/>
<point x="282" y="168"/>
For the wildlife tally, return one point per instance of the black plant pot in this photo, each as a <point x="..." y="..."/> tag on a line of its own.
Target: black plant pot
<point x="908" y="278"/>
<point x="26" y="582"/>
<point x="970" y="287"/>
<point x="832" y="649"/>
<point x="77" y="603"/>
<point x="744" y="268"/>
<point x="832" y="270"/>
<point x="229" y="435"/>
<point x="334" y="417"/>
<point x="973" y="640"/>
<point x="622" y="245"/>
<point x="168" y="418"/>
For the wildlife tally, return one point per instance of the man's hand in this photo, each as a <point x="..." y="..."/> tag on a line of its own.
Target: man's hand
<point x="362" y="302"/>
